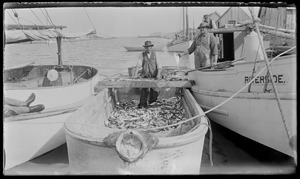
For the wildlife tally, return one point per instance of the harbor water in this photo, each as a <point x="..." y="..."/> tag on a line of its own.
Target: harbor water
<point x="231" y="153"/>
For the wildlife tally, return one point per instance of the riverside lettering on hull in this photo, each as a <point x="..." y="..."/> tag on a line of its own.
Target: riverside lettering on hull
<point x="277" y="79"/>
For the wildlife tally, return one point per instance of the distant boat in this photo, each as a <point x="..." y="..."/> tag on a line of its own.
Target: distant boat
<point x="137" y="49"/>
<point x="183" y="42"/>
<point x="102" y="38"/>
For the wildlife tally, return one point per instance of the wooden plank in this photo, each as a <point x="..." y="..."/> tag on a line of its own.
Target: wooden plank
<point x="227" y="30"/>
<point x="143" y="84"/>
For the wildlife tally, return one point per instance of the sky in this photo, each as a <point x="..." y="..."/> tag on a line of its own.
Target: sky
<point x="115" y="21"/>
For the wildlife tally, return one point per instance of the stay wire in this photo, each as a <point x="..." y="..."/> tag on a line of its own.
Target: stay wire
<point x="12" y="18"/>
<point x="37" y="17"/>
<point x="90" y="19"/>
<point x="49" y="18"/>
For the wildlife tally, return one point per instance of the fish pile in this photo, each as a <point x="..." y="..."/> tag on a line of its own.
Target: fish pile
<point x="163" y="112"/>
<point x="174" y="75"/>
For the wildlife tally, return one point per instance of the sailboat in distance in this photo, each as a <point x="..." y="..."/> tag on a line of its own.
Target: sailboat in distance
<point x="182" y="40"/>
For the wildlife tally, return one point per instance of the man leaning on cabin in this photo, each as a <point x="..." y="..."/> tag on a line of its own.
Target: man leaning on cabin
<point x="205" y="48"/>
<point x="148" y="67"/>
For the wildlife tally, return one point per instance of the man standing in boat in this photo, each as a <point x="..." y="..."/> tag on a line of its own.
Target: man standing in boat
<point x="147" y="67"/>
<point x="205" y="48"/>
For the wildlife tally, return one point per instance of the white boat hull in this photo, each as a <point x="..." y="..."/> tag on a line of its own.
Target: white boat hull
<point x="25" y="140"/>
<point x="54" y="96"/>
<point x="254" y="114"/>
<point x="184" y="159"/>
<point x="30" y="135"/>
<point x="180" y="47"/>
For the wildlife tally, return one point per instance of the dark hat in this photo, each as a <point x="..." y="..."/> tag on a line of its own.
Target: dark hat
<point x="203" y="24"/>
<point x="148" y="44"/>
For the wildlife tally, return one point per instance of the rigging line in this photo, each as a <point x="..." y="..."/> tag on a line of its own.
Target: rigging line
<point x="268" y="74"/>
<point x="17" y="16"/>
<point x="45" y="17"/>
<point x="37" y="17"/>
<point x="89" y="19"/>
<point x="49" y="18"/>
<point x="12" y="18"/>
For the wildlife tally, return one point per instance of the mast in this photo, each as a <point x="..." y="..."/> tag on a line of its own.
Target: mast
<point x="58" y="40"/>
<point x="183" y="22"/>
<point x="193" y="28"/>
<point x="187" y="23"/>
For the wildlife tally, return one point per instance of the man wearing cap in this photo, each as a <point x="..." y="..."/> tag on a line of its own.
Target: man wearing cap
<point x="204" y="47"/>
<point x="211" y="23"/>
<point x="147" y="67"/>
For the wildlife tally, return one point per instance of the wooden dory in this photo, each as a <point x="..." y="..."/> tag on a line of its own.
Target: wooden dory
<point x="177" y="152"/>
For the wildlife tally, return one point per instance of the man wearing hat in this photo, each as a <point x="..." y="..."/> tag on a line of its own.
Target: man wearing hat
<point x="148" y="67"/>
<point x="211" y="23"/>
<point x="204" y="47"/>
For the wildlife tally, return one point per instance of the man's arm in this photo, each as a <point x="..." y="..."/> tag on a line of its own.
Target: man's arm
<point x="189" y="50"/>
<point x="139" y="66"/>
<point x="159" y="69"/>
<point x="214" y="25"/>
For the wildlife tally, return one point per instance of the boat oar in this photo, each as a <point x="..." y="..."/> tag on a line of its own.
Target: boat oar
<point x="75" y="81"/>
<point x="202" y="68"/>
<point x="227" y="63"/>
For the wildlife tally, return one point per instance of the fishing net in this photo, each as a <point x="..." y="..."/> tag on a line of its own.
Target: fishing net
<point x="131" y="145"/>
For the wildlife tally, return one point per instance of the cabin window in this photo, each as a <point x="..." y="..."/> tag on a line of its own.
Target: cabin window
<point x="226" y="47"/>
<point x="231" y="22"/>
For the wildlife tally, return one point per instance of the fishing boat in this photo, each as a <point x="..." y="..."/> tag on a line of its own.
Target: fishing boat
<point x="139" y="49"/>
<point x="60" y="88"/>
<point x="252" y="92"/>
<point x="183" y="40"/>
<point x="175" y="151"/>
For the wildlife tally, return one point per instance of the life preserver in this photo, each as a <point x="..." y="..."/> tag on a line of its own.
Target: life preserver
<point x="52" y="75"/>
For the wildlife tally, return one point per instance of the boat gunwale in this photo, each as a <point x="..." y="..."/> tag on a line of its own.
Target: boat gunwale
<point x="51" y="87"/>
<point x="244" y="95"/>
<point x="164" y="142"/>
<point x="262" y="61"/>
<point x="232" y="70"/>
<point x="69" y="108"/>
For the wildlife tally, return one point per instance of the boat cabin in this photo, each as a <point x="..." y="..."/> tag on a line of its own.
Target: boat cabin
<point x="234" y="41"/>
